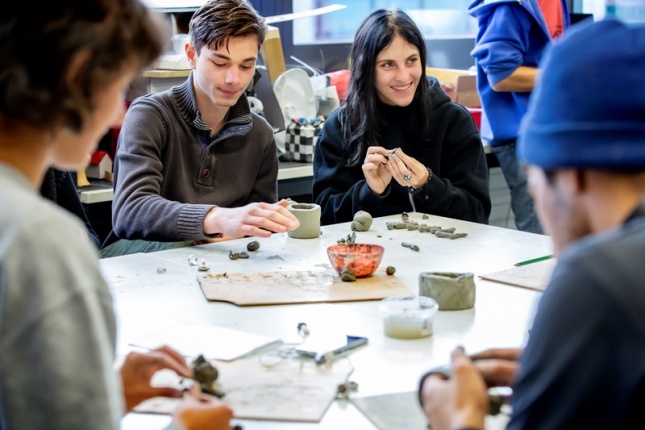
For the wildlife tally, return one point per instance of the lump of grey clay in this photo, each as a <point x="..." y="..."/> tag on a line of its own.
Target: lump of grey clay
<point x="452" y="291"/>
<point x="362" y="221"/>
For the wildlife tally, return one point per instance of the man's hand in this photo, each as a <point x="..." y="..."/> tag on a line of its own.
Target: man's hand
<point x="137" y="371"/>
<point x="458" y="402"/>
<point x="498" y="366"/>
<point x="376" y="174"/>
<point x="254" y="219"/>
<point x="202" y="412"/>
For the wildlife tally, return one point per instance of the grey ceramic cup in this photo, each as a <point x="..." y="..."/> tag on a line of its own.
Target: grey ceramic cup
<point x="452" y="291"/>
<point x="309" y="216"/>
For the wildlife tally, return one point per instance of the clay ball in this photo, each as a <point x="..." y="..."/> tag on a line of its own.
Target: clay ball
<point x="362" y="221"/>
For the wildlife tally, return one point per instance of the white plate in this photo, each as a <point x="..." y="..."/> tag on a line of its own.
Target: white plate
<point x="295" y="95"/>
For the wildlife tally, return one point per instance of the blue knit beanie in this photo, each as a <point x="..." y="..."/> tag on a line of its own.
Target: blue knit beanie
<point x="588" y="108"/>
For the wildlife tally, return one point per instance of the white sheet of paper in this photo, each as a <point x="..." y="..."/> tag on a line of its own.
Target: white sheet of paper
<point x="213" y="342"/>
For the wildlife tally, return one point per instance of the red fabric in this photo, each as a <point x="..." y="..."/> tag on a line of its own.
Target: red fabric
<point x="340" y="80"/>
<point x="114" y="134"/>
<point x="476" y="113"/>
<point x="97" y="156"/>
<point x="552" y="11"/>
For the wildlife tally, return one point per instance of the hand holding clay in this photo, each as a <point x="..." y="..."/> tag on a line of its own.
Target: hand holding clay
<point x="407" y="171"/>
<point x="376" y="174"/>
<point x="254" y="219"/>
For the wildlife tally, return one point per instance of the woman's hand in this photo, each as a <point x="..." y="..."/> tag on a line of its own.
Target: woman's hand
<point x="407" y="171"/>
<point x="376" y="173"/>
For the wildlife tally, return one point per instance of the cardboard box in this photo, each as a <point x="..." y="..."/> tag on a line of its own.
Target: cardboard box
<point x="460" y="85"/>
<point x="466" y="91"/>
<point x="272" y="54"/>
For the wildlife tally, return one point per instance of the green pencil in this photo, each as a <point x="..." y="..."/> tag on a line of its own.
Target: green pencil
<point x="534" y="260"/>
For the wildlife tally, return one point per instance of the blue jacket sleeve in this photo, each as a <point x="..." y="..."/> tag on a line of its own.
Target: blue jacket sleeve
<point x="504" y="42"/>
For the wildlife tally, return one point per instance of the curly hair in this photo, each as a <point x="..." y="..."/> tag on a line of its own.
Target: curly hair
<point x="55" y="60"/>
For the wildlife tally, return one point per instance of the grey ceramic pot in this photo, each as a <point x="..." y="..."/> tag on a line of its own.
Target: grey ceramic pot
<point x="452" y="291"/>
<point x="309" y="216"/>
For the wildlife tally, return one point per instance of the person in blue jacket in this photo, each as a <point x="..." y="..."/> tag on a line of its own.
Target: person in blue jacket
<point x="398" y="143"/>
<point x="508" y="49"/>
<point x="583" y="144"/>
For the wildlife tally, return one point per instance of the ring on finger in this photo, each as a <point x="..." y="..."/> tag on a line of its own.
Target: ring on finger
<point x="407" y="177"/>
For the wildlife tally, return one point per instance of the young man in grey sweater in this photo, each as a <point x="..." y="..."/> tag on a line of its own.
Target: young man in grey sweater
<point x="194" y="164"/>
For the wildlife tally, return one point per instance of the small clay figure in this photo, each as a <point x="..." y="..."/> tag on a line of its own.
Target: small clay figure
<point x="410" y="245"/>
<point x="348" y="275"/>
<point x="343" y="390"/>
<point x="405" y="217"/>
<point x="458" y="235"/>
<point x="349" y="240"/>
<point x="362" y="221"/>
<point x="206" y="374"/>
<point x="425" y="216"/>
<point x="253" y="246"/>
<point x="412" y="226"/>
<point x="236" y="255"/>
<point x="390" y="270"/>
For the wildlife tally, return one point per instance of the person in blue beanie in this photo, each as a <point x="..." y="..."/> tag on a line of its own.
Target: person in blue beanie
<point x="398" y="143"/>
<point x="510" y="43"/>
<point x="583" y="143"/>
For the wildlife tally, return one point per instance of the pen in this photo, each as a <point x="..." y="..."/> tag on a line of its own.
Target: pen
<point x="534" y="260"/>
<point x="353" y="342"/>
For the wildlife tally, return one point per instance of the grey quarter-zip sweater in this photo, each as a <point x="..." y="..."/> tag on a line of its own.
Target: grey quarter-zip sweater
<point x="170" y="169"/>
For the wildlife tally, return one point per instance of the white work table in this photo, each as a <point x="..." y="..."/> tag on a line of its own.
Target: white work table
<point x="145" y="300"/>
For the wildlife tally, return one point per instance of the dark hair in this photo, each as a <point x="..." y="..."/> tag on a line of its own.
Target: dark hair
<point x="376" y="33"/>
<point x="218" y="20"/>
<point x="56" y="60"/>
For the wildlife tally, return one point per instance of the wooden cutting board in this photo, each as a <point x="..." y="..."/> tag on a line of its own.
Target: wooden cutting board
<point x="310" y="286"/>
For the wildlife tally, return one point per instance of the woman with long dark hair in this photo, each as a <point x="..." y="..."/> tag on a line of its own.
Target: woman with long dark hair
<point x="398" y="143"/>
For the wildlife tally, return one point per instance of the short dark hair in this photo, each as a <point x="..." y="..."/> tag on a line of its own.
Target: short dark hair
<point x="376" y="33"/>
<point x="218" y="20"/>
<point x="38" y="50"/>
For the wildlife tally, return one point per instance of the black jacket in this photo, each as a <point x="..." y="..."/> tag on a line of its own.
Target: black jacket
<point x="452" y="150"/>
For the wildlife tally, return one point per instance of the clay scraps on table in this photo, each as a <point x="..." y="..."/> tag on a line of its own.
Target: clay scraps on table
<point x="445" y="233"/>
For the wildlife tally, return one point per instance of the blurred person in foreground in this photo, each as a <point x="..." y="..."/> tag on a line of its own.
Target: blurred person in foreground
<point x="63" y="75"/>
<point x="583" y="144"/>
